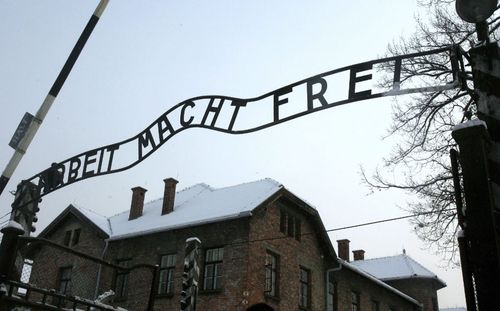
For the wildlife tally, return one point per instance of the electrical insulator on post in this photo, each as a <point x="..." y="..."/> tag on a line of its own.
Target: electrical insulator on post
<point x="190" y="275"/>
<point x="25" y="206"/>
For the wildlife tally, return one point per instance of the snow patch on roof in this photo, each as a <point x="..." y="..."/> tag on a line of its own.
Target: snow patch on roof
<point x="470" y="123"/>
<point x="195" y="205"/>
<point x="395" y="267"/>
<point x="99" y="220"/>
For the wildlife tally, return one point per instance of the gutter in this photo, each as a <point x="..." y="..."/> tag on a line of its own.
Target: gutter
<point x="180" y="226"/>
<point x="99" y="271"/>
<point x="98" y="280"/>
<point x="327" y="278"/>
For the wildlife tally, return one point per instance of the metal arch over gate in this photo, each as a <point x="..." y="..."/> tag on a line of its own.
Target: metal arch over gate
<point x="237" y="116"/>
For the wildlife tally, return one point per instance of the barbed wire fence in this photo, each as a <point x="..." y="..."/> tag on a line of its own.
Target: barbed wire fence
<point x="54" y="277"/>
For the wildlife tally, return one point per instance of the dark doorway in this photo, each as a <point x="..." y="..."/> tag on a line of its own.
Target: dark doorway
<point x="260" y="307"/>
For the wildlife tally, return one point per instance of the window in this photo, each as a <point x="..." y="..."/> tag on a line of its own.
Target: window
<point x="63" y="285"/>
<point x="121" y="278"/>
<point x="271" y="284"/>
<point x="64" y="282"/>
<point x="290" y="224"/>
<point x="167" y="269"/>
<point x="213" y="269"/>
<point x="283" y="220"/>
<point x="72" y="237"/>
<point x="25" y="275"/>
<point x="354" y="301"/>
<point x="67" y="238"/>
<point x="76" y="237"/>
<point x="298" y="233"/>
<point x="305" y="288"/>
<point x="375" y="305"/>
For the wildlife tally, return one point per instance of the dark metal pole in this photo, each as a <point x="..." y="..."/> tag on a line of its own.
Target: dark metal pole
<point x="8" y="254"/>
<point x="21" y="149"/>
<point x="154" y="288"/>
<point x="480" y="158"/>
<point x="461" y="237"/>
<point x="480" y="231"/>
<point x="482" y="32"/>
<point x="470" y="298"/>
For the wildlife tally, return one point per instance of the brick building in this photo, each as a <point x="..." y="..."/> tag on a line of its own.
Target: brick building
<point x="263" y="248"/>
<point x="405" y="274"/>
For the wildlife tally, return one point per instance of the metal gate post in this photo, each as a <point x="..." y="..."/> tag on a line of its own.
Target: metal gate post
<point x="8" y="251"/>
<point x="8" y="248"/>
<point x="463" y="244"/>
<point x="480" y="229"/>
<point x="154" y="287"/>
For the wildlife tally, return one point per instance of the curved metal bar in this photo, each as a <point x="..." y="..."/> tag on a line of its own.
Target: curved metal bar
<point x="100" y="161"/>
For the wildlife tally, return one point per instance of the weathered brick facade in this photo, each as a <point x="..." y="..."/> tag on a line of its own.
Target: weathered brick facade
<point x="48" y="261"/>
<point x="246" y="241"/>
<point x="406" y="275"/>
<point x="293" y="254"/>
<point x="348" y="281"/>
<point x="232" y="235"/>
<point x="423" y="290"/>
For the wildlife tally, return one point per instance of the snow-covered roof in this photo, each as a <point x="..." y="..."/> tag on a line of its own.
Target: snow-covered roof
<point x="395" y="267"/>
<point x="100" y="221"/>
<point x="360" y="271"/>
<point x="195" y="205"/>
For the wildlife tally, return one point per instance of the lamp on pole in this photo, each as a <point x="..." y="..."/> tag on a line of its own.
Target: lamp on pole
<point x="477" y="11"/>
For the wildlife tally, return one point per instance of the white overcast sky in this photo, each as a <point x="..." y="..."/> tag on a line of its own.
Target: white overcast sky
<point x="146" y="56"/>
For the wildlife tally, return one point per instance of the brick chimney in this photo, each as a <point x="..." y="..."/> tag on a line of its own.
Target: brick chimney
<point x="137" y="205"/>
<point x="358" y="254"/>
<point x="168" y="196"/>
<point x="343" y="249"/>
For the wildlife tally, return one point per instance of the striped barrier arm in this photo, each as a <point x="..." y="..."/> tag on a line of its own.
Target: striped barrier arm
<point x="24" y="143"/>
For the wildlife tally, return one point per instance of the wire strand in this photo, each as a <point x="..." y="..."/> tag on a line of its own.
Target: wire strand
<point x="6" y="214"/>
<point x="349" y="227"/>
<point x="3" y="223"/>
<point x="389" y="219"/>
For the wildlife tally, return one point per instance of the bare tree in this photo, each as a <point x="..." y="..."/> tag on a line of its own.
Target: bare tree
<point x="424" y="125"/>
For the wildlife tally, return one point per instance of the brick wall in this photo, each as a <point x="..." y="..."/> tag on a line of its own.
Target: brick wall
<point x="347" y="281"/>
<point x="149" y="248"/>
<point x="243" y="265"/>
<point x="423" y="290"/>
<point x="47" y="260"/>
<point x="245" y="241"/>
<point x="293" y="254"/>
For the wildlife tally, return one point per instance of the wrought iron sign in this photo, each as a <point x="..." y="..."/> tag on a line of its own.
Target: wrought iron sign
<point x="238" y="116"/>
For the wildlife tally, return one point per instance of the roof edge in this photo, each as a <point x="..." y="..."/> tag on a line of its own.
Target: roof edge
<point x="320" y="229"/>
<point x="71" y="209"/>
<point x="185" y="225"/>
<point x="409" y="261"/>
<point x="435" y="278"/>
